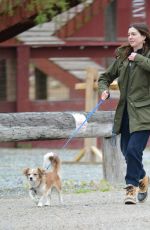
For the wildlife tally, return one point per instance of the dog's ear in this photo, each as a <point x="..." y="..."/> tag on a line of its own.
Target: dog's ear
<point x="41" y="172"/>
<point x="26" y="171"/>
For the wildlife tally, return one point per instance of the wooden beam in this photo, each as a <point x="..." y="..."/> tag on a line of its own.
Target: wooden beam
<point x="83" y="85"/>
<point x="23" y="55"/>
<point x="76" y="49"/>
<point x="52" y="125"/>
<point x="70" y="49"/>
<point x="113" y="86"/>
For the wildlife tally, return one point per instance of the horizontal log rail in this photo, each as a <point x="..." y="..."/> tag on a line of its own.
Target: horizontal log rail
<point x="53" y="125"/>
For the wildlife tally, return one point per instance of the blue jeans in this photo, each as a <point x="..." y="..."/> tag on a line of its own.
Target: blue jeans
<point x="132" y="147"/>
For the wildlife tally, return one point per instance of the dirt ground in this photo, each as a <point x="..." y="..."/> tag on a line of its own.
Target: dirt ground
<point x="94" y="210"/>
<point x="87" y="211"/>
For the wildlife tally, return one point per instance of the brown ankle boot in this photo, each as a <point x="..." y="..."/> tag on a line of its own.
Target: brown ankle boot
<point x="130" y="194"/>
<point x="143" y="189"/>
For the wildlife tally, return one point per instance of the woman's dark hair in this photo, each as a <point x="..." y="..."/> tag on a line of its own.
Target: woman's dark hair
<point x="143" y="30"/>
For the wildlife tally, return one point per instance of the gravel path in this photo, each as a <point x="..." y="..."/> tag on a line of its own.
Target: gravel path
<point x="84" y="210"/>
<point x="88" y="211"/>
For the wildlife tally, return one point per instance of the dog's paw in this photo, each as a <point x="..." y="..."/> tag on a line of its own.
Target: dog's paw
<point x="40" y="204"/>
<point x="36" y="201"/>
<point x="47" y="204"/>
<point x="61" y="200"/>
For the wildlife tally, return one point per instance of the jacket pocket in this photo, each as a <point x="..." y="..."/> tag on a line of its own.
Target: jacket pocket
<point x="142" y="110"/>
<point x="142" y="103"/>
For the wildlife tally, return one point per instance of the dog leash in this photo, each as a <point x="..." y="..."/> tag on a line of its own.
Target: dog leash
<point x="101" y="101"/>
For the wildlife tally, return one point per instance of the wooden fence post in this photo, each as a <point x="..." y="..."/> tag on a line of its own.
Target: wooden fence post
<point x="113" y="160"/>
<point x="90" y="152"/>
<point x="91" y="99"/>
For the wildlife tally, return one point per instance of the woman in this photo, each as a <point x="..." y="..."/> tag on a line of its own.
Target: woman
<point x="132" y="118"/>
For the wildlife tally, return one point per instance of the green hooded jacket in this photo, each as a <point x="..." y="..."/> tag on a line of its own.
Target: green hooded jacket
<point x="134" y="86"/>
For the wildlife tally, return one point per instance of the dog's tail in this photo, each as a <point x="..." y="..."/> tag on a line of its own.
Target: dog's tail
<point x="52" y="159"/>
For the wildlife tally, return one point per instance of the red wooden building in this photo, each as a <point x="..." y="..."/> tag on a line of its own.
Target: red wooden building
<point x="40" y="65"/>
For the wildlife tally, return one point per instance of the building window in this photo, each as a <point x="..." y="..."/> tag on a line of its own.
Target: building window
<point x="40" y="85"/>
<point x="2" y="80"/>
<point x="43" y="87"/>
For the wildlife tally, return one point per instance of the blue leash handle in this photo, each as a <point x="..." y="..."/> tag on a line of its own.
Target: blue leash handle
<point x="101" y="101"/>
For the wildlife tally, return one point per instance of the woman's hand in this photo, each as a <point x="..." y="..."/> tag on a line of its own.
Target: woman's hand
<point x="105" y="95"/>
<point x="132" y="56"/>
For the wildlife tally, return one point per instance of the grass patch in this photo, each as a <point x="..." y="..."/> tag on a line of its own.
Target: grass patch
<point x="84" y="187"/>
<point x="104" y="186"/>
<point x="82" y="190"/>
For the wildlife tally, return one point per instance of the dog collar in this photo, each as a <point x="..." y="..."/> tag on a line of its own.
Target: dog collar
<point x="33" y="189"/>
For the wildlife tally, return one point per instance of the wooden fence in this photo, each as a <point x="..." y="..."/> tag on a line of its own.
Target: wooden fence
<point x="61" y="125"/>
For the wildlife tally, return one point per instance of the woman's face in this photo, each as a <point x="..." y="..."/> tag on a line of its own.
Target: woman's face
<point x="135" y="39"/>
